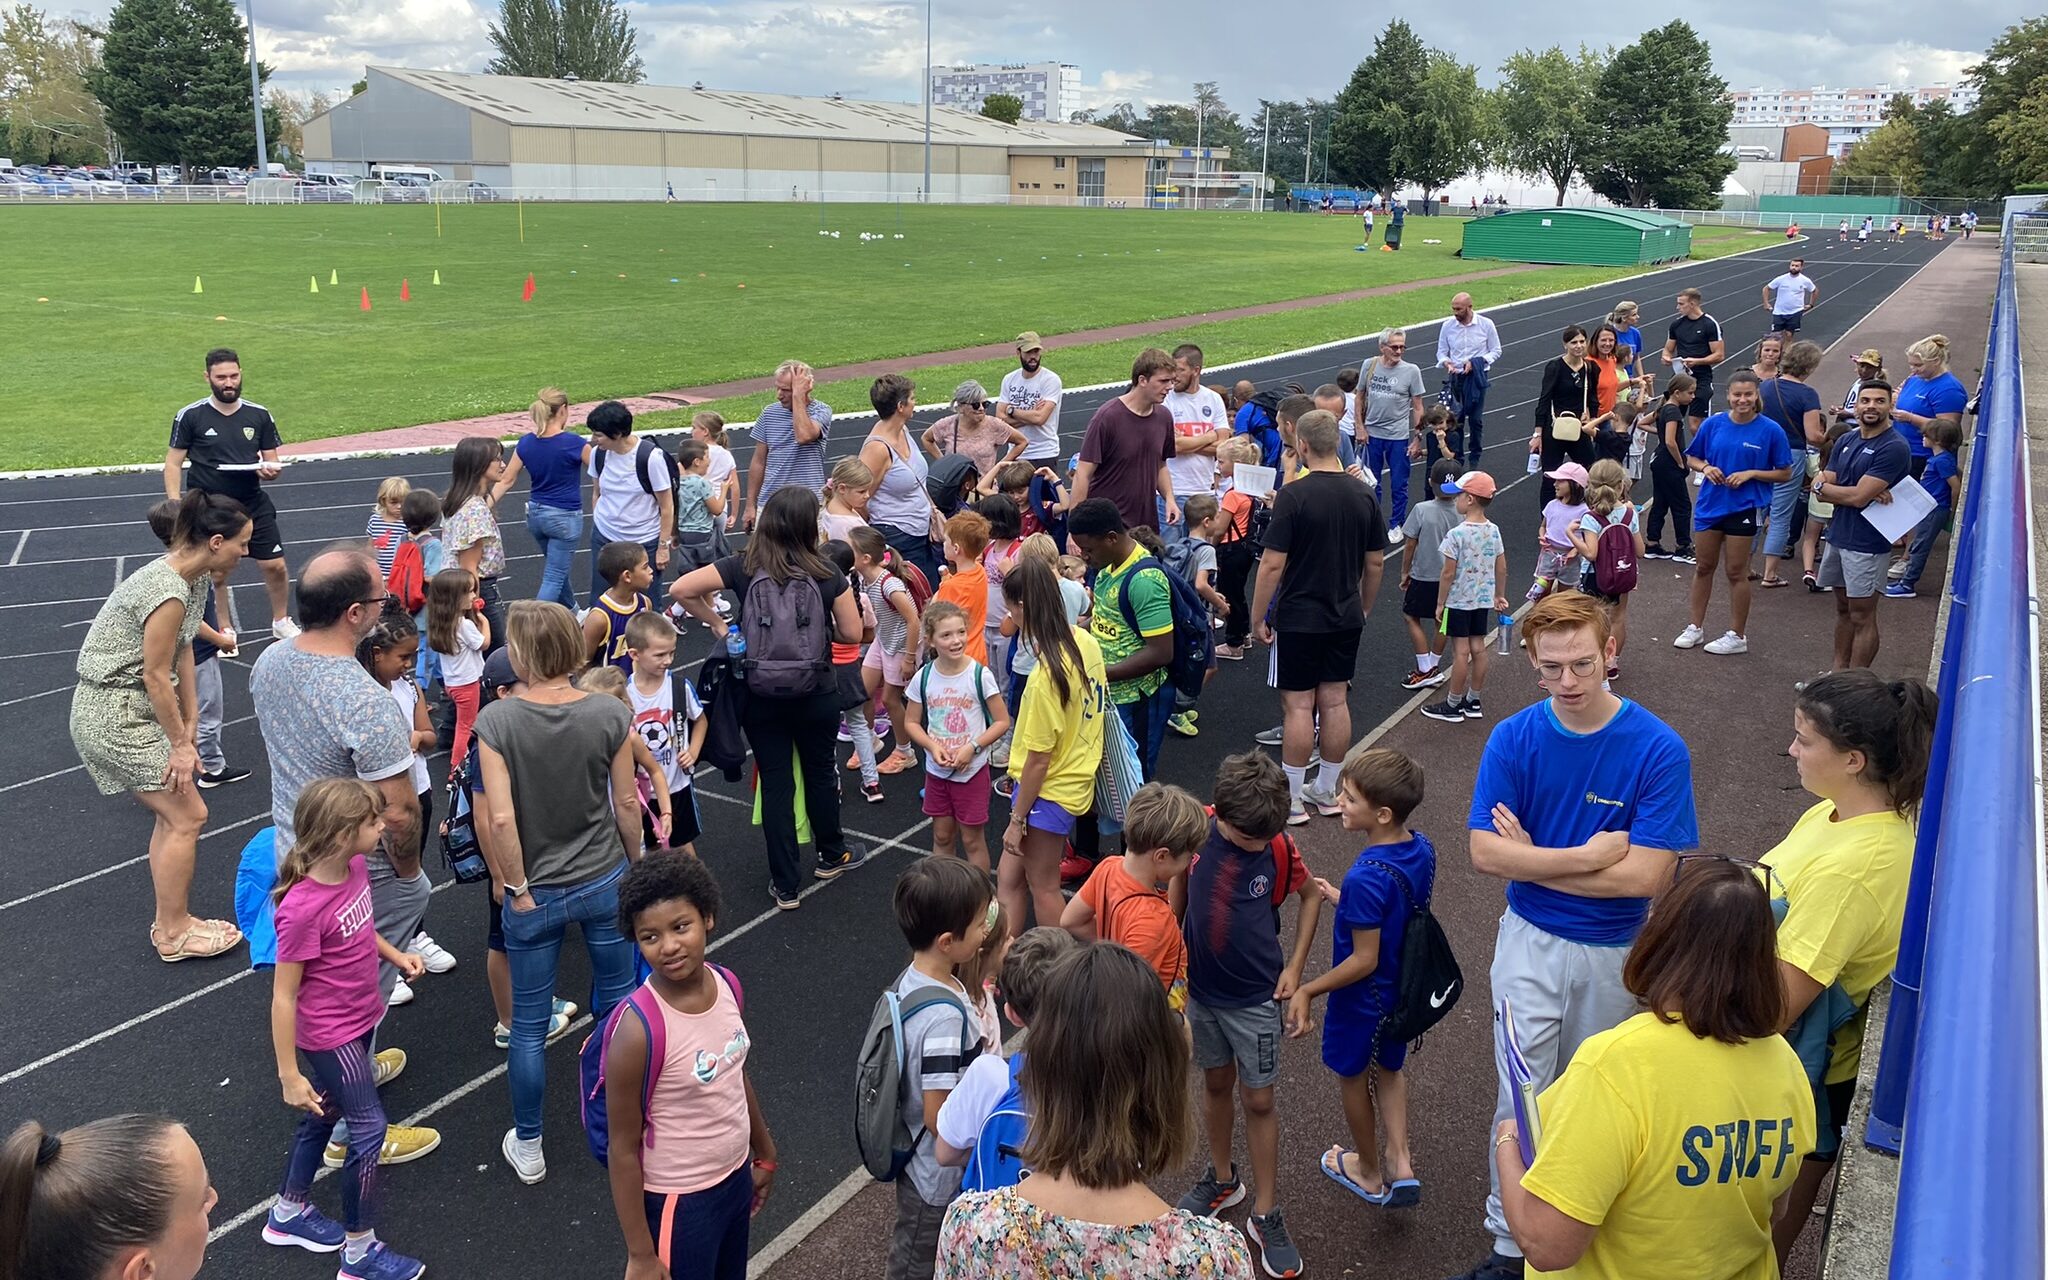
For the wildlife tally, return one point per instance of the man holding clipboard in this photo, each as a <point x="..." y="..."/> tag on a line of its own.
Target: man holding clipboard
<point x="232" y="445"/>
<point x="1859" y="475"/>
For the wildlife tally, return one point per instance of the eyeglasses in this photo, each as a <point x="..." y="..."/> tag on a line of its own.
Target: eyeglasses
<point x="1395" y="346"/>
<point x="377" y="603"/>
<point x="1583" y="668"/>
<point x="1754" y="865"/>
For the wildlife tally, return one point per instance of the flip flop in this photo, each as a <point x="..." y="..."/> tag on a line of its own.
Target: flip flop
<point x="1404" y="1193"/>
<point x="1334" y="1171"/>
<point x="1773" y="582"/>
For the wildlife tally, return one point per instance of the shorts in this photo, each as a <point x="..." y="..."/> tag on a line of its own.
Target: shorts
<point x="1307" y="659"/>
<point x="1736" y="524"/>
<point x="683" y="827"/>
<point x="1860" y="574"/>
<point x="1786" y="324"/>
<point x="853" y="690"/>
<point x="1419" y="600"/>
<point x="1050" y="818"/>
<point x="265" y="542"/>
<point x="1460" y="624"/>
<point x="1348" y="1045"/>
<point x="1247" y="1038"/>
<point x="895" y="667"/>
<point x="964" y="802"/>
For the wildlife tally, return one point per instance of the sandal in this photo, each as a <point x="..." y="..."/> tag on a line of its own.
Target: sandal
<point x="1773" y="582"/>
<point x="203" y="941"/>
<point x="1333" y="1169"/>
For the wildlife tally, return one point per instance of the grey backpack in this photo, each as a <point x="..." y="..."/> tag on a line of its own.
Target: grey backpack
<point x="886" y="1143"/>
<point x="788" y="633"/>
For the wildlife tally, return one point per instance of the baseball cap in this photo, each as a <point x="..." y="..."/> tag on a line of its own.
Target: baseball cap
<point x="498" y="673"/>
<point x="1872" y="357"/>
<point x="1028" y="341"/>
<point x="1476" y="483"/>
<point x="1571" y="471"/>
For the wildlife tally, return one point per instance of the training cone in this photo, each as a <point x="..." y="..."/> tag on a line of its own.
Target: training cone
<point x="366" y="298"/>
<point x="333" y="276"/>
<point x="196" y="286"/>
<point x="405" y="291"/>
<point x="315" y="282"/>
<point x="526" y="295"/>
<point x="437" y="275"/>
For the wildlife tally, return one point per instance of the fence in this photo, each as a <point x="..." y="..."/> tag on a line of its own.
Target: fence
<point x="1959" y="1091"/>
<point x="1174" y="196"/>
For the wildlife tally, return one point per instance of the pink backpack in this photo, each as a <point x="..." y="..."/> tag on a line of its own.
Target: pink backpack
<point x="1614" y="555"/>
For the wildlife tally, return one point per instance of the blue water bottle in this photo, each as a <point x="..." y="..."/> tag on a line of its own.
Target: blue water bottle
<point x="1507" y="626"/>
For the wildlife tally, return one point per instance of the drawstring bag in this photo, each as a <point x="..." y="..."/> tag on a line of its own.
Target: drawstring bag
<point x="1121" y="773"/>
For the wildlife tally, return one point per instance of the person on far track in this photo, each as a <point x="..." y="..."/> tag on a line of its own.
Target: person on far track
<point x="1695" y="346"/>
<point x="1790" y="296"/>
<point x="232" y="445"/>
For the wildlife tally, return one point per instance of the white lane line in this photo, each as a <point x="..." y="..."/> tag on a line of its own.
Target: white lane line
<point x="45" y="777"/>
<point x="31" y="697"/>
<point x="45" y="653"/>
<point x="18" y="546"/>
<point x="129" y="1025"/>
<point x="810" y="1220"/>
<point x="122" y="866"/>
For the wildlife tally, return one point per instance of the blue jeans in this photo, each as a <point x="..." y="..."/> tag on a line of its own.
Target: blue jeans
<point x="598" y="584"/>
<point x="556" y="530"/>
<point x="917" y="548"/>
<point x="1170" y="534"/>
<point x="1390" y="456"/>
<point x="1785" y="499"/>
<point x="1146" y="719"/>
<point x="533" y="946"/>
<point x="1922" y="545"/>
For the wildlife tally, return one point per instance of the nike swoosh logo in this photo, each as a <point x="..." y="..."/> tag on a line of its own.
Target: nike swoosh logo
<point x="1436" y="999"/>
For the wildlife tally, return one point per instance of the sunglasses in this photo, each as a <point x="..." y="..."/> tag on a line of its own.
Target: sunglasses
<point x="1754" y="865"/>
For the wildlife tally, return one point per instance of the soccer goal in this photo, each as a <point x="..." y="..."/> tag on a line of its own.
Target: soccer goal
<point x="456" y="191"/>
<point x="274" y="191"/>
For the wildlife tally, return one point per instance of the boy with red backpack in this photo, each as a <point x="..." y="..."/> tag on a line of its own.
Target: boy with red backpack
<point x="414" y="562"/>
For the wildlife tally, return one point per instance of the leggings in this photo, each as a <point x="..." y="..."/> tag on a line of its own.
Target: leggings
<point x="1234" y="561"/>
<point x="347" y="1080"/>
<point x="1673" y="498"/>
<point x="703" y="1235"/>
<point x="465" y="697"/>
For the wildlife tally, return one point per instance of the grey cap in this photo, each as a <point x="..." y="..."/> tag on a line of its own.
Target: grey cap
<point x="970" y="392"/>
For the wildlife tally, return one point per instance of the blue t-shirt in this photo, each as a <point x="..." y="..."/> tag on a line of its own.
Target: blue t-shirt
<point x="1634" y="775"/>
<point x="1930" y="398"/>
<point x="1941" y="468"/>
<point x="1757" y="445"/>
<point x="1631" y="337"/>
<point x="1886" y="457"/>
<point x="1233" y="920"/>
<point x="556" y="465"/>
<point x="1370" y="899"/>
<point x="1787" y="403"/>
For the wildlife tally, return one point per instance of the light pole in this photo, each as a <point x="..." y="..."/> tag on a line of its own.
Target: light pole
<point x="927" y="194"/>
<point x="1265" y="142"/>
<point x="256" y="93"/>
<point x="1201" y="114"/>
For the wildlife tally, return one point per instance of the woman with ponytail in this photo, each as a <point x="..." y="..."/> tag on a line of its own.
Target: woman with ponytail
<point x="554" y="457"/>
<point x="123" y="1197"/>
<point x="1861" y="744"/>
<point x="135" y="713"/>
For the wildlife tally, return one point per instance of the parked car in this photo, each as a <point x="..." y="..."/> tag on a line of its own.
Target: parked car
<point x="482" y="192"/>
<point x="51" y="186"/>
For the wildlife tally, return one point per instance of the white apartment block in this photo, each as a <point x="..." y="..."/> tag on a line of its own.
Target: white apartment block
<point x="1050" y="90"/>
<point x="1849" y="115"/>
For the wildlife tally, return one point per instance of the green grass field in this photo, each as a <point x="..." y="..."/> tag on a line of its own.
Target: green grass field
<point x="630" y="299"/>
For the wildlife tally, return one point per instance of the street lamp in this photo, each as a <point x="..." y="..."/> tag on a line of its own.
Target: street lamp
<point x="256" y="93"/>
<point x="927" y="195"/>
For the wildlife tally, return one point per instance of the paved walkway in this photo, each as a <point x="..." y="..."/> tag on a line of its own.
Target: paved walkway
<point x="431" y="434"/>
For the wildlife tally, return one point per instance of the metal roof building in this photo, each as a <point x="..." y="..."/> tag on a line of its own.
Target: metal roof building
<point x="1579" y="237"/>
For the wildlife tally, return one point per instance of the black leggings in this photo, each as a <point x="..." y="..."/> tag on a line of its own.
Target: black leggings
<point x="1234" y="561"/>
<point x="1672" y="497"/>
<point x="810" y="726"/>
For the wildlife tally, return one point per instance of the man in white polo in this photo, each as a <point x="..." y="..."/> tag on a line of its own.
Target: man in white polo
<point x="1790" y="296"/>
<point x="1466" y="347"/>
<point x="1200" y="423"/>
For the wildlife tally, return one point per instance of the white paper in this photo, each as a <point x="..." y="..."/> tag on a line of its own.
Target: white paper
<point x="1909" y="506"/>
<point x="249" y="466"/>
<point x="1253" y="481"/>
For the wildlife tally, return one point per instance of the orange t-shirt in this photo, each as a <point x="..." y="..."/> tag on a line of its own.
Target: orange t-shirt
<point x="1138" y="916"/>
<point x="968" y="588"/>
<point x="1238" y="506"/>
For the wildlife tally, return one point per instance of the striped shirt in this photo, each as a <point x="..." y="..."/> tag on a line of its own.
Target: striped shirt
<point x="790" y="463"/>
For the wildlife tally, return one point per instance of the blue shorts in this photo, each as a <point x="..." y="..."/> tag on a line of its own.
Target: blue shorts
<point x="1049" y="817"/>
<point x="1348" y="1047"/>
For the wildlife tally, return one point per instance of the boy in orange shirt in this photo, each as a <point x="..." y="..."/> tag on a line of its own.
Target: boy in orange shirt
<point x="1124" y="900"/>
<point x="967" y="582"/>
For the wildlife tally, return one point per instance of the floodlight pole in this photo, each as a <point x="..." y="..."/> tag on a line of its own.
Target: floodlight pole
<point x="1265" y="142"/>
<point x="928" y="100"/>
<point x="256" y="93"/>
<point x="1200" y="115"/>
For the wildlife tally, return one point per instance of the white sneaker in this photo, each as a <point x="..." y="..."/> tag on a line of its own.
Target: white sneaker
<point x="1728" y="643"/>
<point x="1323" y="802"/>
<point x="1689" y="638"/>
<point x="524" y="1157"/>
<point x="1297" y="813"/>
<point x="401" y="993"/>
<point x="283" y="628"/>
<point x="437" y="957"/>
<point x="1395" y="537"/>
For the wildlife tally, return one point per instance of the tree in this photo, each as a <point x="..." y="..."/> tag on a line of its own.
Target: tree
<point x="2022" y="136"/>
<point x="174" y="79"/>
<point x="1217" y="124"/>
<point x="48" y="114"/>
<point x="1660" y="116"/>
<point x="290" y="113"/>
<point x="1375" y="110"/>
<point x="360" y="86"/>
<point x="1006" y="107"/>
<point x="1544" y="114"/>
<point x="2008" y="82"/>
<point x="1892" y="150"/>
<point x="1446" y="138"/>
<point x="560" y="39"/>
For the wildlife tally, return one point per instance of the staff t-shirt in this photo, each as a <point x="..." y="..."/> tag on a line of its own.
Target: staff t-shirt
<point x="1126" y="451"/>
<point x="1233" y="919"/>
<point x="1390" y="391"/>
<point x="212" y="440"/>
<point x="1756" y="445"/>
<point x="1929" y="398"/>
<point x="1886" y="457"/>
<point x="1195" y="413"/>
<point x="1789" y="293"/>
<point x="1326" y="524"/>
<point x="1675" y="1146"/>
<point x="1151" y="607"/>
<point x="1020" y="391"/>
<point x="330" y="929"/>
<point x="1069" y="732"/>
<point x="1633" y="774"/>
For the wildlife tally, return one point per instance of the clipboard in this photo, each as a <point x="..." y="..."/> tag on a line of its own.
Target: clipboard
<point x="1909" y="506"/>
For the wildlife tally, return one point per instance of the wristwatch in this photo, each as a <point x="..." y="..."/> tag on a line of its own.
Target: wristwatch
<point x="516" y="890"/>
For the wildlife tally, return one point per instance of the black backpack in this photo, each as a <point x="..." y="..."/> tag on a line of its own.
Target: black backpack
<point x="1430" y="981"/>
<point x="723" y="695"/>
<point x="949" y="481"/>
<point x="643" y="463"/>
<point x="788" y="631"/>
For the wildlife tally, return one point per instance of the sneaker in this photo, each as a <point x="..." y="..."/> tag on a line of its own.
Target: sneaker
<point x="381" y="1262"/>
<point x="829" y="867"/>
<point x="999" y="756"/>
<point x="565" y="1008"/>
<point x="1277" y="1255"/>
<point x="1270" y="737"/>
<point x="1006" y="786"/>
<point x="386" y="1066"/>
<point x="1899" y="590"/>
<point x="790" y="903"/>
<point x="1324" y="802"/>
<point x="1182" y="723"/>
<point x="1728" y="643"/>
<point x="1498" y="1266"/>
<point x="308" y="1229"/>
<point x="880" y="725"/>
<point x="1447" y="711"/>
<point x="1297" y="813"/>
<point x="1683" y="555"/>
<point x="437" y="956"/>
<point x="403" y="1144"/>
<point x="558" y="1026"/>
<point x="1429" y="679"/>
<point x="1470" y="706"/>
<point x="401" y="993"/>
<point x="524" y="1156"/>
<point x="220" y="777"/>
<point x="1212" y="1194"/>
<point x="1896" y="571"/>
<point x="1689" y="638"/>
<point x="1655" y="553"/>
<point x="845" y="731"/>
<point x="897" y="761"/>
<point x="1074" y="867"/>
<point x="1395" y="537"/>
<point x="1230" y="652"/>
<point x="872" y="792"/>
<point x="283" y="628"/>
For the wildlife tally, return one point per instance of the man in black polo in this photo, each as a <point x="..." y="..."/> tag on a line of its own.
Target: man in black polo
<point x="232" y="445"/>
<point x="1695" y="347"/>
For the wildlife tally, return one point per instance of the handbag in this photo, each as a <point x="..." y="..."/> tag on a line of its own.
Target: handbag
<point x="1567" y="428"/>
<point x="1120" y="774"/>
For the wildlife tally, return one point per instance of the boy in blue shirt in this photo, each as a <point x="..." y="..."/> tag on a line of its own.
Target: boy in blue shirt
<point x="1740" y="455"/>
<point x="1379" y="789"/>
<point x="1943" y="484"/>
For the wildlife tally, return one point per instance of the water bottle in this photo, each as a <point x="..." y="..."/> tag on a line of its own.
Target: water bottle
<point x="1507" y="627"/>
<point x="735" y="643"/>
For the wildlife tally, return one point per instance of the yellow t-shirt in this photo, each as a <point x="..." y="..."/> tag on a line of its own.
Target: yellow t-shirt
<point x="1844" y="883"/>
<point x="1070" y="731"/>
<point x="1675" y="1147"/>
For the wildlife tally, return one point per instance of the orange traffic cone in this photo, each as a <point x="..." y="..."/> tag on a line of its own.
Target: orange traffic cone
<point x="526" y="295"/>
<point x="366" y="298"/>
<point x="405" y="291"/>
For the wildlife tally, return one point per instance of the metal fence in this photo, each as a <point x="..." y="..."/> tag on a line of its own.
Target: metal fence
<point x="1959" y="1091"/>
<point x="1173" y="196"/>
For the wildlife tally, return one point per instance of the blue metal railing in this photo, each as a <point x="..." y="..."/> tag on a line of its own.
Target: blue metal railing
<point x="1959" y="1091"/>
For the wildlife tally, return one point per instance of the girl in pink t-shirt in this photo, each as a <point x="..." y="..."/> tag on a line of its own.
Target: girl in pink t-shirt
<point x="689" y="1173"/>
<point x="325" y="1004"/>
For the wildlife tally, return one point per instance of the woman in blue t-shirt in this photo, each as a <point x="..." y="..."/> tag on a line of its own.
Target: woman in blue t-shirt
<point x="1931" y="392"/>
<point x="554" y="457"/>
<point x="1795" y="407"/>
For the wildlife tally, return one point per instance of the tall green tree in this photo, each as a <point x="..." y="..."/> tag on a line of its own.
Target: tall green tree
<point x="2007" y="83"/>
<point x="1219" y="125"/>
<point x="1376" y="109"/>
<point x="1660" y="117"/>
<point x="174" y="79"/>
<point x="48" y="114"/>
<point x="1890" y="151"/>
<point x="1294" y="143"/>
<point x="2022" y="137"/>
<point x="1544" y="114"/>
<point x="1447" y="137"/>
<point x="559" y="39"/>
<point x="1006" y="107"/>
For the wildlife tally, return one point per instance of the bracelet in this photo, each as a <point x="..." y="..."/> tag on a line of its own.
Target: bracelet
<point x="766" y="1166"/>
<point x="1504" y="1139"/>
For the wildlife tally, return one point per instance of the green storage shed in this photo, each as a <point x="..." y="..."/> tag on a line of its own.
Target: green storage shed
<point x="1579" y="237"/>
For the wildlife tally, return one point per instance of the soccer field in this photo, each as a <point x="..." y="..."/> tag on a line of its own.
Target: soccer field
<point x="628" y="298"/>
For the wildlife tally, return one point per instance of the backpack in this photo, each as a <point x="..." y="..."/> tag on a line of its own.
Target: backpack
<point x="1192" y="636"/>
<point x="1430" y="981"/>
<point x="998" y="1156"/>
<point x="1614" y="559"/>
<point x="723" y="695"/>
<point x="643" y="464"/>
<point x="949" y="480"/>
<point x="644" y="1005"/>
<point x="886" y="1143"/>
<point x="459" y="845"/>
<point x="788" y="633"/>
<point x="1286" y="854"/>
<point x="1041" y="497"/>
<point x="408" y="577"/>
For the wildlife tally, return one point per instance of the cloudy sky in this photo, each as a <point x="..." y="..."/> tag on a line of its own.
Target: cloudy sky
<point x="1124" y="50"/>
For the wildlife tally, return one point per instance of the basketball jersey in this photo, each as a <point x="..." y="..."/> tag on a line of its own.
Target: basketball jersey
<point x="616" y="619"/>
